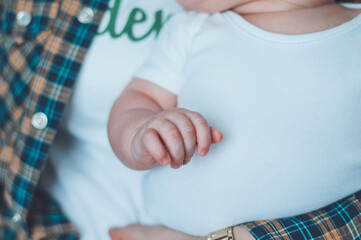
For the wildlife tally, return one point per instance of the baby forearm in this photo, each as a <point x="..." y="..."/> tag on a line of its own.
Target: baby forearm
<point x="146" y="129"/>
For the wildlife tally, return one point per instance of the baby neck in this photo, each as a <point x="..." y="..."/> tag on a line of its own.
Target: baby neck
<point x="295" y="16"/>
<point x="274" y="6"/>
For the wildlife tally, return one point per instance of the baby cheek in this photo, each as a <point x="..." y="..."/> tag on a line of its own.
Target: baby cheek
<point x="202" y="5"/>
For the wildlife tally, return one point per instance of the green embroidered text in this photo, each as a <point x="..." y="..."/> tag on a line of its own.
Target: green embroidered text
<point x="136" y="16"/>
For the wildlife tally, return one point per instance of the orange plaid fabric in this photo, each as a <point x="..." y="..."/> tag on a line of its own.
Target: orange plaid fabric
<point x="42" y="46"/>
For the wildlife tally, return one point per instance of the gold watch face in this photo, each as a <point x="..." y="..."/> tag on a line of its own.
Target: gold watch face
<point x="224" y="234"/>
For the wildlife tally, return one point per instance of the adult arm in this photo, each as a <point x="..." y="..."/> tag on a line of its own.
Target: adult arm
<point x="340" y="220"/>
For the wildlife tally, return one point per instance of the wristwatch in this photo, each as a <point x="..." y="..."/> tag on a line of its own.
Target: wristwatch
<point x="224" y="234"/>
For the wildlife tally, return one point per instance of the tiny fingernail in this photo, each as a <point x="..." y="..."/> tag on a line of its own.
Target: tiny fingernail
<point x="165" y="161"/>
<point x="111" y="231"/>
<point x="204" y="152"/>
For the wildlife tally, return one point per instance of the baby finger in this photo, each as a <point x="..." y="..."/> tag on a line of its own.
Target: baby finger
<point x="203" y="132"/>
<point x="173" y="141"/>
<point x="188" y="133"/>
<point x="154" y="145"/>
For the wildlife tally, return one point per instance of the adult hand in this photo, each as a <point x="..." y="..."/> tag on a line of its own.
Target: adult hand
<point x="141" y="232"/>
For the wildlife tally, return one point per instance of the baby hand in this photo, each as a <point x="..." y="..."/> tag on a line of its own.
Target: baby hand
<point x="171" y="137"/>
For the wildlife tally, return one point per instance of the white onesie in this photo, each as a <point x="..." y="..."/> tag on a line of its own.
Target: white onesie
<point x="289" y="107"/>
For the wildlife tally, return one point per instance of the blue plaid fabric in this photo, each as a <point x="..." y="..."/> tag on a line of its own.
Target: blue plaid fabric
<point x="341" y="220"/>
<point x="39" y="63"/>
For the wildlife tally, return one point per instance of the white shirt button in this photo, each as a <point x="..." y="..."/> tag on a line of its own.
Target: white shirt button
<point x="86" y="15"/>
<point x="16" y="218"/>
<point x="39" y="120"/>
<point x="23" y="18"/>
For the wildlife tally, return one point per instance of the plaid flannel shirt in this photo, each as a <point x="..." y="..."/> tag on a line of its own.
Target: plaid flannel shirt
<point x="42" y="46"/>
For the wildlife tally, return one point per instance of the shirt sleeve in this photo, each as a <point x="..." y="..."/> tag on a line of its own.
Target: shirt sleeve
<point x="165" y="63"/>
<point x="341" y="220"/>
